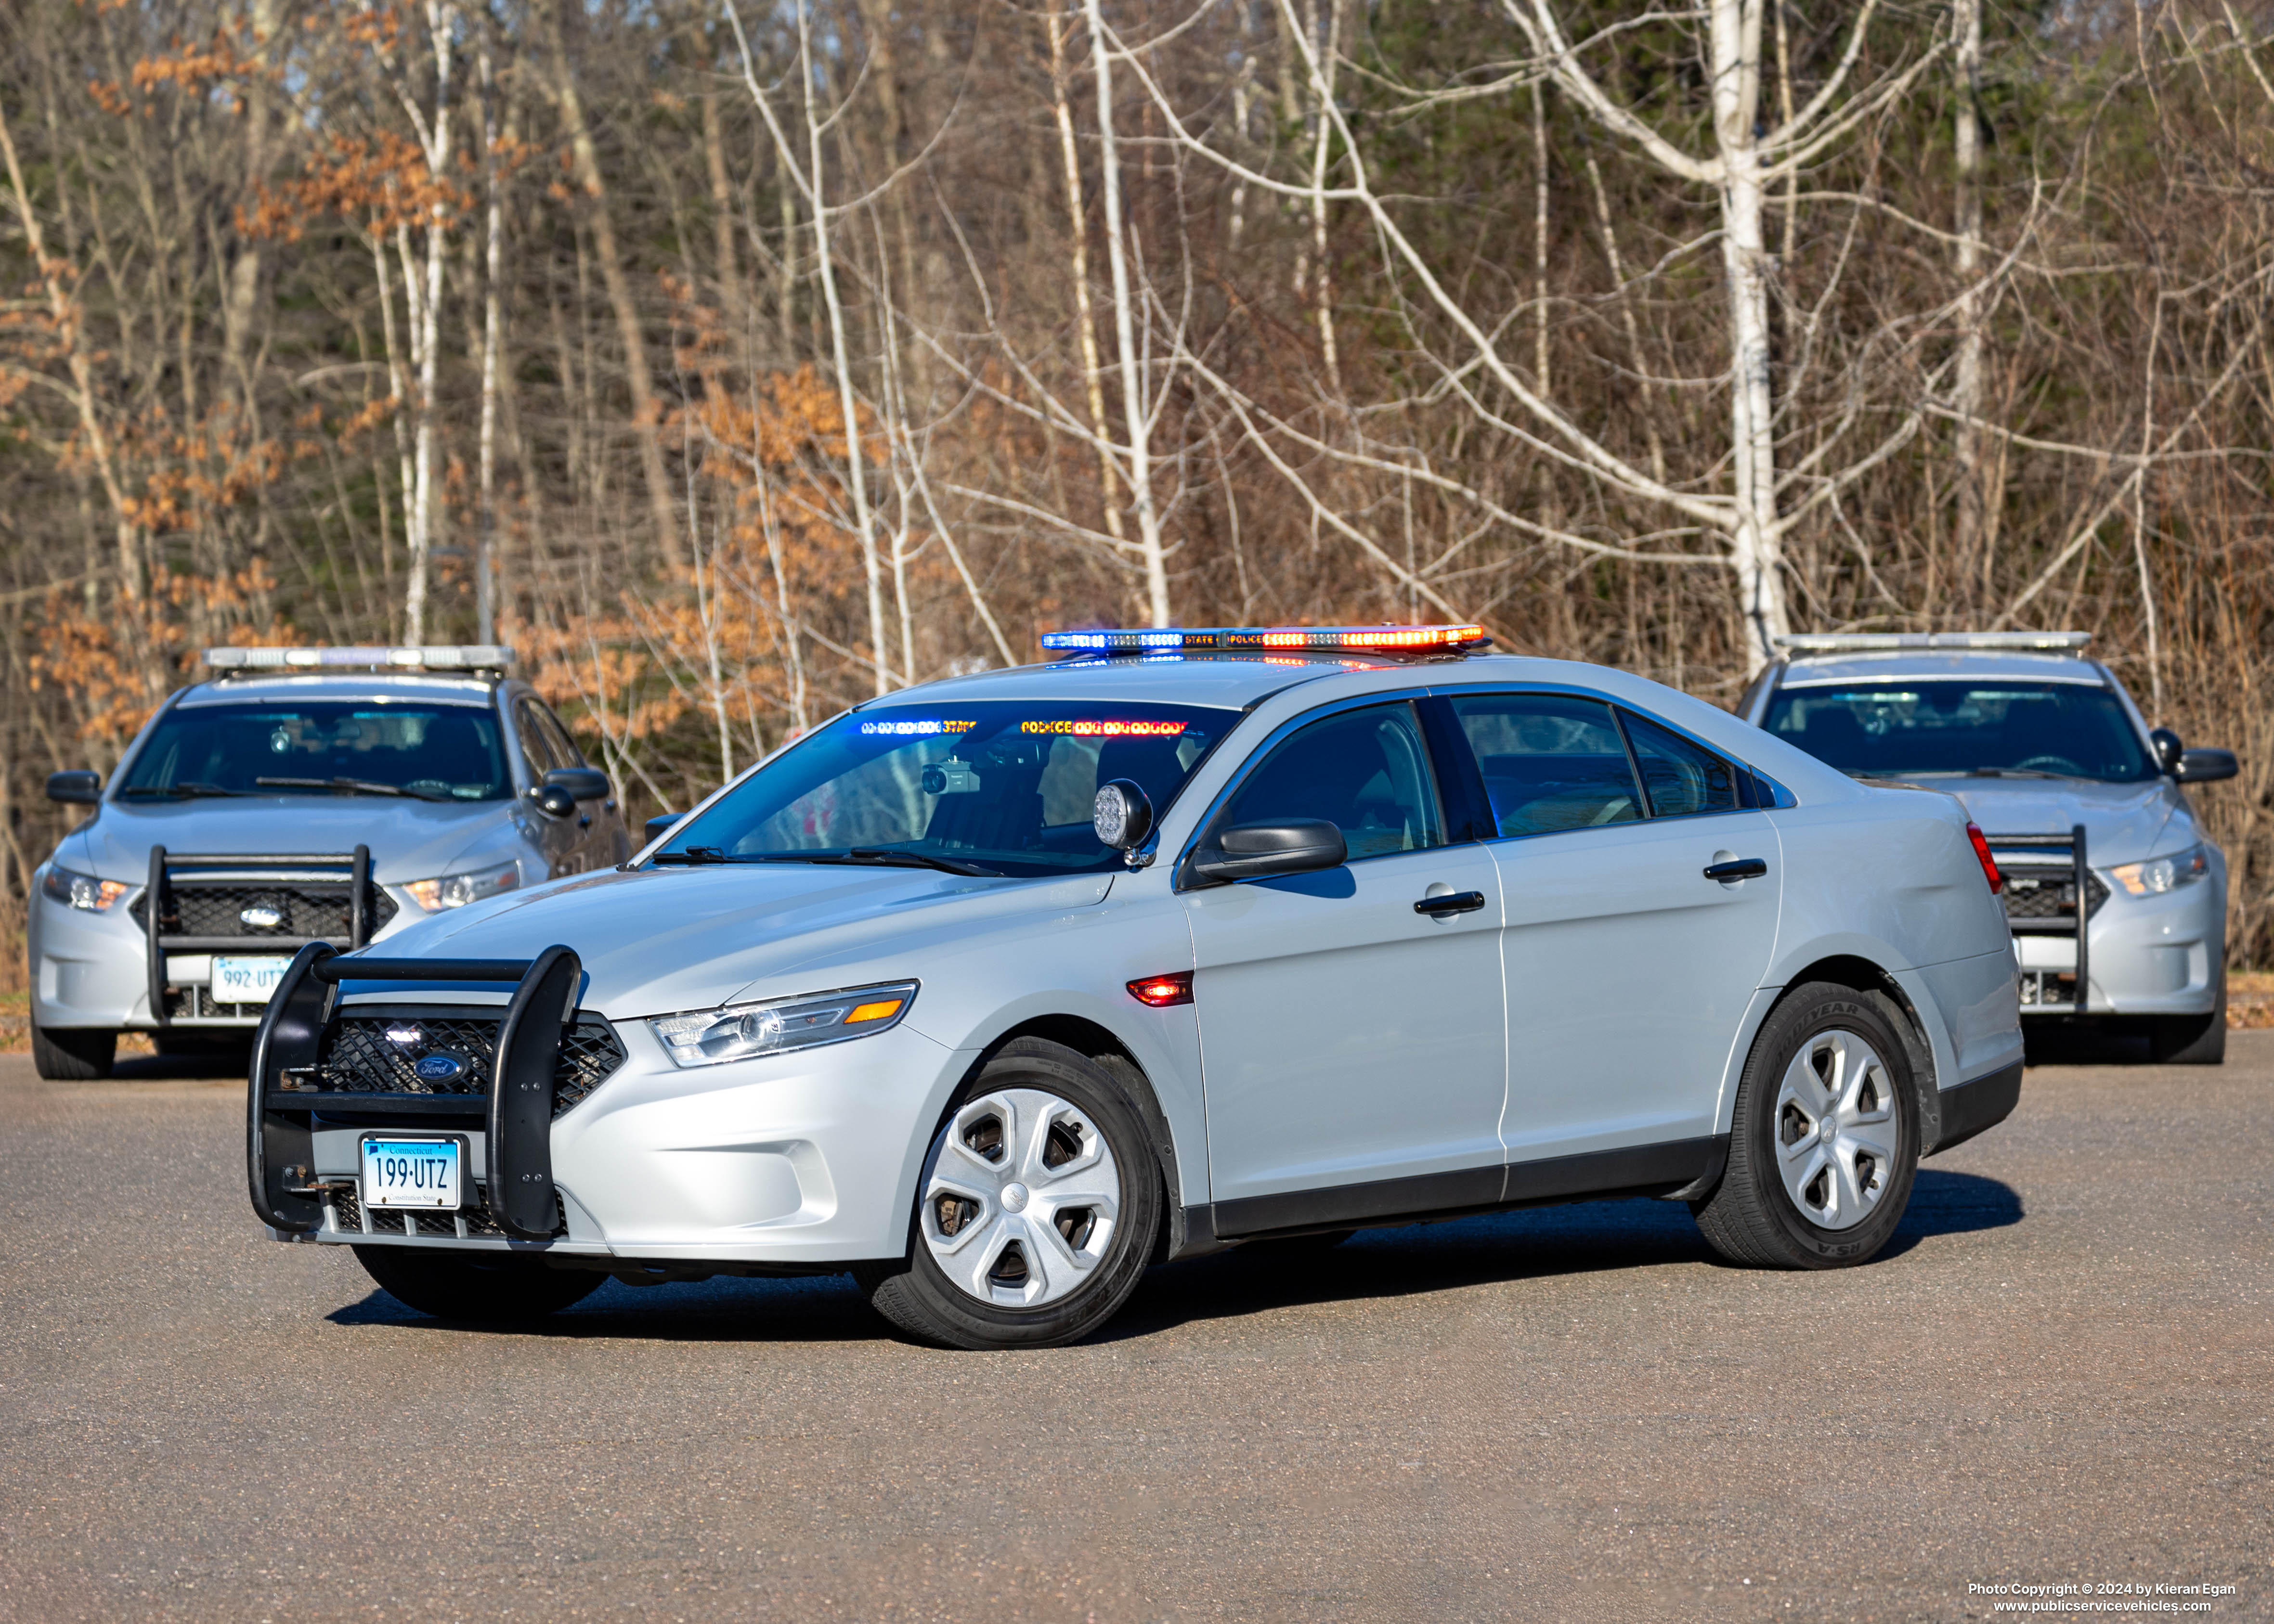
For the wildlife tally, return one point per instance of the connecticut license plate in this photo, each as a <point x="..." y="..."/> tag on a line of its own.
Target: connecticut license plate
<point x="246" y="981"/>
<point x="402" y="1172"/>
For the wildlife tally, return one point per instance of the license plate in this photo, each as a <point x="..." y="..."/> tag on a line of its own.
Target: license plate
<point x="421" y="1173"/>
<point x="246" y="981"/>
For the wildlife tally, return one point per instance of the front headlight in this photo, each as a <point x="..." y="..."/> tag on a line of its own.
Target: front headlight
<point x="746" y="1031"/>
<point x="454" y="891"/>
<point x="83" y="892"/>
<point x="2163" y="874"/>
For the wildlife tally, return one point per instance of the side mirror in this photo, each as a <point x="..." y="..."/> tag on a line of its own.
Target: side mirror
<point x="662" y="824"/>
<point x="1122" y="815"/>
<point x="1261" y="851"/>
<point x="2206" y="765"/>
<point x="78" y="787"/>
<point x="554" y="800"/>
<point x="2169" y="750"/>
<point x="581" y="783"/>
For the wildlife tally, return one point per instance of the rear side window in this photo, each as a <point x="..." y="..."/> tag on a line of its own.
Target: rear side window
<point x="1365" y="771"/>
<point x="1550" y="763"/>
<point x="1683" y="778"/>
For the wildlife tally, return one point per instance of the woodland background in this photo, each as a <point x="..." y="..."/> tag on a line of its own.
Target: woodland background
<point x="1634" y="334"/>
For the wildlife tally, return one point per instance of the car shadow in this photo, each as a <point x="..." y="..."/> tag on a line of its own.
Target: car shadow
<point x="191" y="1064"/>
<point x="1533" y="1244"/>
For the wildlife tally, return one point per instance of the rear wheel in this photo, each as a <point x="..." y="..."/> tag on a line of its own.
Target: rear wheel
<point x="1825" y="1143"/>
<point x="491" y="1286"/>
<point x="1036" y="1211"/>
<point x="72" y="1054"/>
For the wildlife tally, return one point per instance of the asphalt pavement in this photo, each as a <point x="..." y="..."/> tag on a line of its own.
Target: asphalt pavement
<point x="2058" y="1375"/>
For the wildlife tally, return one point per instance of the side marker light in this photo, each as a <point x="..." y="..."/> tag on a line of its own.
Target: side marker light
<point x="1160" y="991"/>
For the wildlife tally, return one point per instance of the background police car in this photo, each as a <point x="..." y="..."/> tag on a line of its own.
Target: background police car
<point x="1393" y="940"/>
<point x="301" y="794"/>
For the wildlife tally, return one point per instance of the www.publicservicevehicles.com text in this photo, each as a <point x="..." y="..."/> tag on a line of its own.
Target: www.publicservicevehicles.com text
<point x="2123" y="1595"/>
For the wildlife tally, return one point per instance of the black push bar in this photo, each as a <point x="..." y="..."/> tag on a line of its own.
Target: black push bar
<point x="2080" y="876"/>
<point x="357" y="863"/>
<point x="280" y="1128"/>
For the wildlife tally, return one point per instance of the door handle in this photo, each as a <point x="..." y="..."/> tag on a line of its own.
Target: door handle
<point x="1451" y="902"/>
<point x="1737" y="868"/>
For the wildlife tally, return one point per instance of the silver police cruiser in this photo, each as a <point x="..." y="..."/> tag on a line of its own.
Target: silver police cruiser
<point x="2080" y="799"/>
<point x="997" y="990"/>
<point x="302" y="796"/>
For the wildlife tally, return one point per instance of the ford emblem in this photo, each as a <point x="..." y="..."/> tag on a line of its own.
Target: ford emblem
<point x="439" y="1068"/>
<point x="260" y="916"/>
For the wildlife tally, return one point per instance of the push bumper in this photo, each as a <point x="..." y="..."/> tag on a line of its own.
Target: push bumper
<point x="796" y="1162"/>
<point x="2151" y="955"/>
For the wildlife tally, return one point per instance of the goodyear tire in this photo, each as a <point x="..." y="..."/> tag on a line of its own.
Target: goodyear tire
<point x="1826" y="1140"/>
<point x="479" y="1286"/>
<point x="1037" y="1213"/>
<point x="72" y="1054"/>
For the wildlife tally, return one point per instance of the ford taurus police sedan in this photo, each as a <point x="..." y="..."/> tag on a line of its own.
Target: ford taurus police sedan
<point x="300" y="795"/>
<point x="995" y="991"/>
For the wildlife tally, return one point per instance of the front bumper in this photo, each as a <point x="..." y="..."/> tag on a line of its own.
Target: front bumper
<point x="2153" y="955"/>
<point x="92" y="970"/>
<point x="802" y="1160"/>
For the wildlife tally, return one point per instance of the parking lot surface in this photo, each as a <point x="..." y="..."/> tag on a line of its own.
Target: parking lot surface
<point x="2061" y="1373"/>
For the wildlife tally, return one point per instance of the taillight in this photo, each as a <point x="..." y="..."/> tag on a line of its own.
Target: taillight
<point x="1160" y="991"/>
<point x="1989" y="864"/>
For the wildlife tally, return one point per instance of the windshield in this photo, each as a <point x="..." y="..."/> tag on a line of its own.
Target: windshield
<point x="1904" y="729"/>
<point x="429" y="752"/>
<point x="996" y="787"/>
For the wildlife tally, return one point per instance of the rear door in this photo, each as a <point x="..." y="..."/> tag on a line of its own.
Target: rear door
<point x="1627" y="969"/>
<point x="1352" y="1043"/>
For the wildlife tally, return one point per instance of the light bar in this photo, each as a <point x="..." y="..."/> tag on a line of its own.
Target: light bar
<point x="433" y="657"/>
<point x="1374" y="639"/>
<point x="1850" y="642"/>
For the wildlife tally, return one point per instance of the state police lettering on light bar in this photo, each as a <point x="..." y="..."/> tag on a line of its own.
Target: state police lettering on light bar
<point x="1374" y="639"/>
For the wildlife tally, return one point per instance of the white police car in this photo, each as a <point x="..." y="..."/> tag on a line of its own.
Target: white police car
<point x="300" y="795"/>
<point x="997" y="990"/>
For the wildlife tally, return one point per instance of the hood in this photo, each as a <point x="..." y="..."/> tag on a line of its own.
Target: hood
<point x="654" y="941"/>
<point x="2123" y="822"/>
<point x="409" y="839"/>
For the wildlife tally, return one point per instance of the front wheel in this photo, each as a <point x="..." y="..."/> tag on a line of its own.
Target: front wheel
<point x="1036" y="1211"/>
<point x="494" y="1286"/>
<point x="2193" y="1039"/>
<point x="72" y="1054"/>
<point x="1826" y="1139"/>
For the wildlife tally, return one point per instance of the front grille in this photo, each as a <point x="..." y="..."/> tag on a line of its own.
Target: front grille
<point x="475" y="1222"/>
<point x="306" y="907"/>
<point x="2051" y="893"/>
<point x="360" y="1056"/>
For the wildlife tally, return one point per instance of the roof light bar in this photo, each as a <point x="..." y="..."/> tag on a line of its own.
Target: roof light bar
<point x="1850" y="642"/>
<point x="433" y="657"/>
<point x="1275" y="639"/>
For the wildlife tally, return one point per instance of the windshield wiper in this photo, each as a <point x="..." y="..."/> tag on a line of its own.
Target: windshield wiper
<point x="693" y="855"/>
<point x="2013" y="772"/>
<point x="188" y="790"/>
<point x="892" y="856"/>
<point x="352" y="787"/>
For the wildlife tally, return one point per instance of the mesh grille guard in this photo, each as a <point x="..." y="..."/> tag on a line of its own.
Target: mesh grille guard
<point x="540" y="1029"/>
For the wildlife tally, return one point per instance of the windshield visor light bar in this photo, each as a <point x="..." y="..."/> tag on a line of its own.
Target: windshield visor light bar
<point x="1261" y="639"/>
<point x="1864" y="642"/>
<point x="432" y="657"/>
<point x="751" y="1030"/>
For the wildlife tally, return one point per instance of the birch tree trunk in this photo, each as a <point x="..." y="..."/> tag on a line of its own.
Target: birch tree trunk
<point x="1754" y="551"/>
<point x="1133" y="381"/>
<point x="1966" y="384"/>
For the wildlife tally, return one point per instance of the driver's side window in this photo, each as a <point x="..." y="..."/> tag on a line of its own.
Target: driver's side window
<point x="1365" y="771"/>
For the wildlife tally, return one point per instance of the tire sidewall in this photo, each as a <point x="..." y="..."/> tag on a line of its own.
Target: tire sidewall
<point x="950" y="1314"/>
<point x="1817" y="1010"/>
